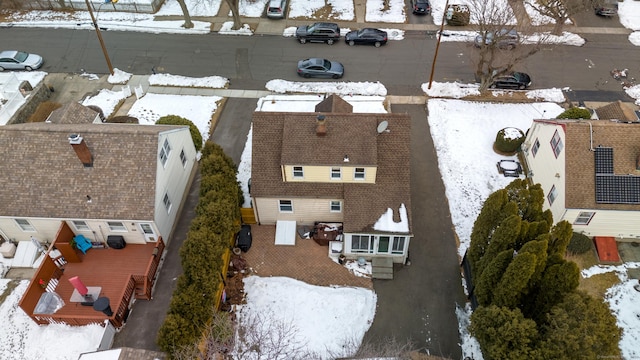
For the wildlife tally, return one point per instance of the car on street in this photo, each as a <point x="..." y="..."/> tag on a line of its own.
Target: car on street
<point x="507" y="38"/>
<point x="244" y="238"/>
<point x="366" y="36"/>
<point x="19" y="60"/>
<point x="318" y="32"/>
<point x="421" y="7"/>
<point x="514" y="80"/>
<point x="318" y="67"/>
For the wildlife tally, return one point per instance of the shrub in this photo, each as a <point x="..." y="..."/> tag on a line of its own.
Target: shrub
<point x="508" y="140"/>
<point x="177" y="120"/>
<point x="575" y="113"/>
<point x="459" y="18"/>
<point x="579" y="243"/>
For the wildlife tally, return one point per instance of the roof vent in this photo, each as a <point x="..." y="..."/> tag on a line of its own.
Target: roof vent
<point x="81" y="149"/>
<point x="321" y="126"/>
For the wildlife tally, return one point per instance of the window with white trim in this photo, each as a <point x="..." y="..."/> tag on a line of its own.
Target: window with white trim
<point x="285" y="206"/>
<point x="361" y="244"/>
<point x="25" y="225"/>
<point x="335" y="206"/>
<point x="80" y="225"/>
<point x="552" y="195"/>
<point x="167" y="202"/>
<point x="336" y="173"/>
<point x="165" y="151"/>
<point x="358" y="174"/>
<point x="116" y="226"/>
<point x="298" y="172"/>
<point x="556" y="143"/>
<point x="183" y="158"/>
<point x="398" y="245"/>
<point x="535" y="147"/>
<point x="584" y="217"/>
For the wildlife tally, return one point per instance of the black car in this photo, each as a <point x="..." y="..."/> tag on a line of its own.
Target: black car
<point x="369" y="36"/>
<point x="421" y="7"/>
<point x="318" y="32"/>
<point x="318" y="67"/>
<point x="244" y="238"/>
<point x="515" y="80"/>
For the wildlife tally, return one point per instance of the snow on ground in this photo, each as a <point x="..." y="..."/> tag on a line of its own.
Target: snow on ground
<point x="325" y="329"/>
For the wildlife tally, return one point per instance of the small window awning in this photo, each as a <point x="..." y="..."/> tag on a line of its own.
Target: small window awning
<point x="285" y="232"/>
<point x="607" y="249"/>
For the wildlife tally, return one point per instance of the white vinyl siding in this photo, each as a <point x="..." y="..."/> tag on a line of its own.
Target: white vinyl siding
<point x="620" y="224"/>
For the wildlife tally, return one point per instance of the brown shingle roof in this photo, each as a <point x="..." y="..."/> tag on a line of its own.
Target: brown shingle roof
<point x="43" y="177"/>
<point x="354" y="135"/>
<point x="616" y="111"/>
<point x="334" y="104"/>
<point x="72" y="113"/>
<point x="580" y="165"/>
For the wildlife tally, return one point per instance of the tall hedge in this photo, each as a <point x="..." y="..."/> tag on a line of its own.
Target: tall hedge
<point x="217" y="220"/>
<point x="193" y="129"/>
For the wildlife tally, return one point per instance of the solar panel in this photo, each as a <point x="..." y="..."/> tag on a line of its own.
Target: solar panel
<point x="604" y="160"/>
<point x="618" y="189"/>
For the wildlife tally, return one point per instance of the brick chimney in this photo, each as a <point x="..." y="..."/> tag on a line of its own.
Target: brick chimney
<point x="321" y="127"/>
<point x="82" y="150"/>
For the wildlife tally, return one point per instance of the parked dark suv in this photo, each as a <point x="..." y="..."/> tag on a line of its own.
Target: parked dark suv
<point x="318" y="32"/>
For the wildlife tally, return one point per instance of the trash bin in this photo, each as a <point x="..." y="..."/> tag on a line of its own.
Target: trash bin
<point x="102" y="305"/>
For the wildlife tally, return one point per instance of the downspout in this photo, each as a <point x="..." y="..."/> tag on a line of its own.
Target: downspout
<point x="590" y="136"/>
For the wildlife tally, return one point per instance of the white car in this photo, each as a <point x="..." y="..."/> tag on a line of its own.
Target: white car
<point x="19" y="60"/>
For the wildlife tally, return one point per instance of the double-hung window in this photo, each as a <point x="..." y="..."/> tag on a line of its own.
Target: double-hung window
<point x="25" y="225"/>
<point x="298" y="172"/>
<point x="535" y="147"/>
<point x="358" y="174"/>
<point x="398" y="245"/>
<point x="183" y="158"/>
<point x="80" y="225"/>
<point x="584" y="217"/>
<point x="552" y="195"/>
<point x="286" y="206"/>
<point x="116" y="226"/>
<point x="556" y="143"/>
<point x="167" y="202"/>
<point x="336" y="174"/>
<point x="335" y="206"/>
<point x="164" y="152"/>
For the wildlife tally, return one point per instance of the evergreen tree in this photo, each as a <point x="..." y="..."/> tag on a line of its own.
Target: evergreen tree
<point x="580" y="327"/>
<point x="515" y="281"/>
<point x="560" y="237"/>
<point x="557" y="281"/>
<point x="504" y="333"/>
<point x="503" y="238"/>
<point x="485" y="286"/>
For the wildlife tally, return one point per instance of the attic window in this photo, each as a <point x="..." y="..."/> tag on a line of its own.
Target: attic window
<point x="165" y="152"/>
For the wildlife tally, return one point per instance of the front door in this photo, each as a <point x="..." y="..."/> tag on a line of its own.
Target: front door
<point x="383" y="245"/>
<point x="147" y="231"/>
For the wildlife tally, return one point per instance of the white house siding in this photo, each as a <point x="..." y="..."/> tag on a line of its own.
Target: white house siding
<point x="47" y="229"/>
<point x="397" y="258"/>
<point x="546" y="169"/>
<point x="305" y="211"/>
<point x="616" y="223"/>
<point x="172" y="178"/>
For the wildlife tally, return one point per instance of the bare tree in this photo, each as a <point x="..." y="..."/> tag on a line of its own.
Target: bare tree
<point x="217" y="341"/>
<point x="187" y="18"/>
<point x="386" y="348"/>
<point x="235" y="13"/>
<point x="501" y="41"/>
<point x="560" y="10"/>
<point x="262" y="336"/>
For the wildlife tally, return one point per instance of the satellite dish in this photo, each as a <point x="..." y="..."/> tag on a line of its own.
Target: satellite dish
<point x="382" y="126"/>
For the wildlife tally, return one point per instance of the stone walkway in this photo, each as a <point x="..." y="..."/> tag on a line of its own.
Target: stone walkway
<point x="305" y="261"/>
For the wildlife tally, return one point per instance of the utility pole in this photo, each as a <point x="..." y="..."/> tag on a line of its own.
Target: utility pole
<point x="435" y="53"/>
<point x="104" y="49"/>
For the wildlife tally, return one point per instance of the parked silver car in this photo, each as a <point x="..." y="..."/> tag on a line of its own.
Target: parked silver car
<point x="276" y="9"/>
<point x="506" y="38"/>
<point x="318" y="67"/>
<point x="19" y="60"/>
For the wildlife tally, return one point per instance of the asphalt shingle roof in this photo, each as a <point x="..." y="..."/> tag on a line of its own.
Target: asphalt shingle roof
<point x="43" y="177"/>
<point x="580" y="164"/>
<point x="290" y="138"/>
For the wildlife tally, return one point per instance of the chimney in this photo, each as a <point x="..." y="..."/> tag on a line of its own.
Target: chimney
<point x="82" y="150"/>
<point x="321" y="127"/>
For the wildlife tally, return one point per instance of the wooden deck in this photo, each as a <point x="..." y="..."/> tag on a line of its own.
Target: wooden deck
<point x="122" y="274"/>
